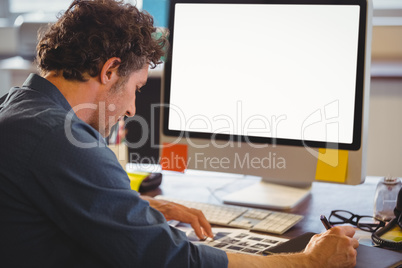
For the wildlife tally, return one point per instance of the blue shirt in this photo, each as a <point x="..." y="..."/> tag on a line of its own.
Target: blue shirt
<point x="65" y="201"/>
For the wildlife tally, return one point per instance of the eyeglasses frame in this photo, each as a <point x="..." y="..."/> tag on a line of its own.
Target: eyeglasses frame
<point x="365" y="227"/>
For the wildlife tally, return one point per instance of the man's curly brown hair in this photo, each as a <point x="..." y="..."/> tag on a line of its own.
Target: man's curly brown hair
<point x="92" y="31"/>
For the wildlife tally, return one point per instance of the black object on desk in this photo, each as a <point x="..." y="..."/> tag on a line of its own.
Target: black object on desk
<point x="152" y="181"/>
<point x="366" y="256"/>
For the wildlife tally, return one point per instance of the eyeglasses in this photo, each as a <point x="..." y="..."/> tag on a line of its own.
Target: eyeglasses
<point x="365" y="223"/>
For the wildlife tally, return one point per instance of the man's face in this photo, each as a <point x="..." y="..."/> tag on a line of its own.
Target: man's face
<point x="120" y="100"/>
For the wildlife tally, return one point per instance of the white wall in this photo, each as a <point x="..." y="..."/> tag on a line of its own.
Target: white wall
<point x="385" y="119"/>
<point x="385" y="128"/>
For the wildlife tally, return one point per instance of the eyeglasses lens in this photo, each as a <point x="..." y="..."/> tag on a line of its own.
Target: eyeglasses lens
<point x="340" y="217"/>
<point x="369" y="224"/>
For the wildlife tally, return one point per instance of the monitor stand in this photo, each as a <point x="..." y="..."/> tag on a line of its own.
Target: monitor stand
<point x="268" y="195"/>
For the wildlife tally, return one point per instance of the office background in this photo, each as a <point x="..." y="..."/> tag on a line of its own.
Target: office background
<point x="18" y="35"/>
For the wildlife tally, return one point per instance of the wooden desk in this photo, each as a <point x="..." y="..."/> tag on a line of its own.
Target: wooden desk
<point x="325" y="197"/>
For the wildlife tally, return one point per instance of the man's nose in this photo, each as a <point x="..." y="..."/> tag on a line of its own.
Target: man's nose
<point x="131" y="111"/>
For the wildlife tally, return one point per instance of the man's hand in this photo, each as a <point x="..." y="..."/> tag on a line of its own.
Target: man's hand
<point x="174" y="211"/>
<point x="334" y="248"/>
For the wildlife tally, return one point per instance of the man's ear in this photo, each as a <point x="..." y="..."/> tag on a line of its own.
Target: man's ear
<point x="109" y="70"/>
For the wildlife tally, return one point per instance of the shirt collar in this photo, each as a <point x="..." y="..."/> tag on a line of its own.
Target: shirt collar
<point x="42" y="85"/>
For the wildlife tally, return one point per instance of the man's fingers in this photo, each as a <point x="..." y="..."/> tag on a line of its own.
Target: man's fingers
<point x="199" y="223"/>
<point x="193" y="220"/>
<point x="349" y="231"/>
<point x="346" y="230"/>
<point x="203" y="222"/>
<point x="174" y="211"/>
<point x="196" y="219"/>
<point x="355" y="243"/>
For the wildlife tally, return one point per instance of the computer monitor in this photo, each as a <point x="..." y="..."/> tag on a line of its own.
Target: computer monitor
<point x="257" y="87"/>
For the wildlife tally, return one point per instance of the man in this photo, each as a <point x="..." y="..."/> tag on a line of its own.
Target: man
<point x="64" y="199"/>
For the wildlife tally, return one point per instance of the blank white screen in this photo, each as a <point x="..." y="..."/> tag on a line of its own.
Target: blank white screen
<point x="284" y="71"/>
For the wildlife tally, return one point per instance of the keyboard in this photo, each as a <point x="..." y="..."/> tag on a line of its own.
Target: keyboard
<point x="241" y="217"/>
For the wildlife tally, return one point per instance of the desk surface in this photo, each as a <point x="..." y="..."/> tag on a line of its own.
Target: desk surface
<point x="211" y="187"/>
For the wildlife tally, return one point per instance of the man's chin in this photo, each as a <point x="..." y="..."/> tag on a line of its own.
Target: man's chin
<point x="106" y="133"/>
<point x="106" y="130"/>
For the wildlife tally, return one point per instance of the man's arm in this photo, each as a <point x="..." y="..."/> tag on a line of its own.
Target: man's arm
<point x="334" y="248"/>
<point x="87" y="195"/>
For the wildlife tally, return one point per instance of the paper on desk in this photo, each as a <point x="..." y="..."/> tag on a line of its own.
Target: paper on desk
<point x="236" y="240"/>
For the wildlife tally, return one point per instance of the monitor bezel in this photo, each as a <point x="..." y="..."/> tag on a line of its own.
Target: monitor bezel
<point x="359" y="86"/>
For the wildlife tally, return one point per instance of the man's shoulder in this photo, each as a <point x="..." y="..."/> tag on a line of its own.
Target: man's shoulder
<point x="30" y="109"/>
<point x="30" y="118"/>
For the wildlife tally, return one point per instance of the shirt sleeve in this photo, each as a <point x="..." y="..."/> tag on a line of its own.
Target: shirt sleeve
<point x="81" y="187"/>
